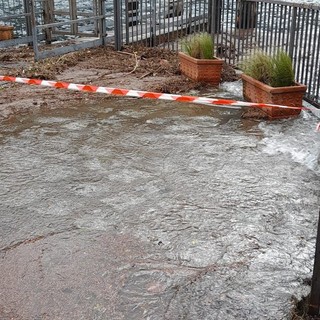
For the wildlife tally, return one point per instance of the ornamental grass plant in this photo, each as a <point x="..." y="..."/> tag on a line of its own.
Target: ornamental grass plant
<point x="199" y="46"/>
<point x="275" y="71"/>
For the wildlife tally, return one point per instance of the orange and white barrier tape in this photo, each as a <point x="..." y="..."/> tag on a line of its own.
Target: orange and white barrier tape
<point x="140" y="94"/>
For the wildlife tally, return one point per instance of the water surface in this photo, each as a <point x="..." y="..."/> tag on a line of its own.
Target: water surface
<point x="145" y="209"/>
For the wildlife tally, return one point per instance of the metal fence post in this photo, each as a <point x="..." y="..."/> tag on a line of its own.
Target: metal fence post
<point x="153" y="24"/>
<point x="292" y="32"/>
<point x="215" y="9"/>
<point x="27" y="5"/>
<point x="314" y="302"/>
<point x="34" y="30"/>
<point x="48" y="8"/>
<point x="102" y="24"/>
<point x="117" y="24"/>
<point x="73" y="16"/>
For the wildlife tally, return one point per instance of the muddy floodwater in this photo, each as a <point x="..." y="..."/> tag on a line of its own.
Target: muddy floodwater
<point x="144" y="209"/>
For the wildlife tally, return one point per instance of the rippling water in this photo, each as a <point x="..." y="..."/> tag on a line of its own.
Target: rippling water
<point x="156" y="210"/>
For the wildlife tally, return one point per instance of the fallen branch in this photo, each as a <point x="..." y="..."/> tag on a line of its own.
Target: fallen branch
<point x="137" y="63"/>
<point x="146" y="74"/>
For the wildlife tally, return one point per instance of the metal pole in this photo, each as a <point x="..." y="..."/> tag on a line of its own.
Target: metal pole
<point x="34" y="30"/>
<point x="73" y="16"/>
<point x="214" y="7"/>
<point x="102" y="24"/>
<point x="48" y="6"/>
<point x="117" y="24"/>
<point x="153" y="24"/>
<point x="27" y="5"/>
<point x="292" y="32"/>
<point x="314" y="302"/>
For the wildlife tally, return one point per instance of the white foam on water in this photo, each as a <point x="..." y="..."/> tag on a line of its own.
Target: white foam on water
<point x="295" y="137"/>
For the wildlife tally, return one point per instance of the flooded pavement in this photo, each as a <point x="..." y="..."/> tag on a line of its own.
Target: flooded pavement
<point x="153" y="210"/>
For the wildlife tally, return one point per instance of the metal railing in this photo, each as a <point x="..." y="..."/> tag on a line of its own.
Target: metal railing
<point x="239" y="27"/>
<point x="248" y="26"/>
<point x="38" y="22"/>
<point x="158" y="22"/>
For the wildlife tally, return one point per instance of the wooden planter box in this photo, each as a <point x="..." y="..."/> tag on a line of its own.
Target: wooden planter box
<point x="256" y="91"/>
<point x="6" y="32"/>
<point x="202" y="70"/>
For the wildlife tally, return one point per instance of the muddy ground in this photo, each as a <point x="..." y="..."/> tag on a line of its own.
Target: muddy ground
<point x="137" y="68"/>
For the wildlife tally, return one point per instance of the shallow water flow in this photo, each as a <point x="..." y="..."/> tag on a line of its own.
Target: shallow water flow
<point x="156" y="210"/>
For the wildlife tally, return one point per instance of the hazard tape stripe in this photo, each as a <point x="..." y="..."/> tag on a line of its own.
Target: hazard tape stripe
<point x="140" y="94"/>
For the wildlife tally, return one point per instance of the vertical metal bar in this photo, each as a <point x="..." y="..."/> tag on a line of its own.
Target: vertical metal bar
<point x="179" y="15"/>
<point x="219" y="24"/>
<point x="73" y="16"/>
<point x="211" y="17"/>
<point x="126" y="12"/>
<point x="117" y="24"/>
<point x="167" y="15"/>
<point x="96" y="8"/>
<point x="255" y="33"/>
<point x="275" y="30"/>
<point x="241" y="30"/>
<point x="203" y="15"/>
<point x="315" y="54"/>
<point x="233" y="17"/>
<point x="300" y="41"/>
<point x="162" y="25"/>
<point x="267" y="22"/>
<point x="309" y="73"/>
<point x="136" y="19"/>
<point x="317" y="64"/>
<point x="216" y="12"/>
<point x="153" y="35"/>
<point x="235" y="32"/>
<point x="143" y="23"/>
<point x="292" y="32"/>
<point x="153" y="24"/>
<point x="252" y="15"/>
<point x="281" y="28"/>
<point x="306" y="48"/>
<point x="314" y="302"/>
<point x="272" y="23"/>
<point x="34" y="30"/>
<point x="228" y="24"/>
<point x="48" y="18"/>
<point x="186" y="15"/>
<point x="102" y="24"/>
<point x="200" y="17"/>
<point x="228" y="29"/>
<point x="259" y="26"/>
<point x="26" y="5"/>
<point x="171" y="35"/>
<point x="190" y="17"/>
<point x="288" y="29"/>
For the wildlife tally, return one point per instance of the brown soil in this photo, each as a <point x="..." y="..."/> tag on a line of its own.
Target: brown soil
<point x="137" y="68"/>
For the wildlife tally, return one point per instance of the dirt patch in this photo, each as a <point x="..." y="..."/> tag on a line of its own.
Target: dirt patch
<point x="136" y="67"/>
<point x="300" y="310"/>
